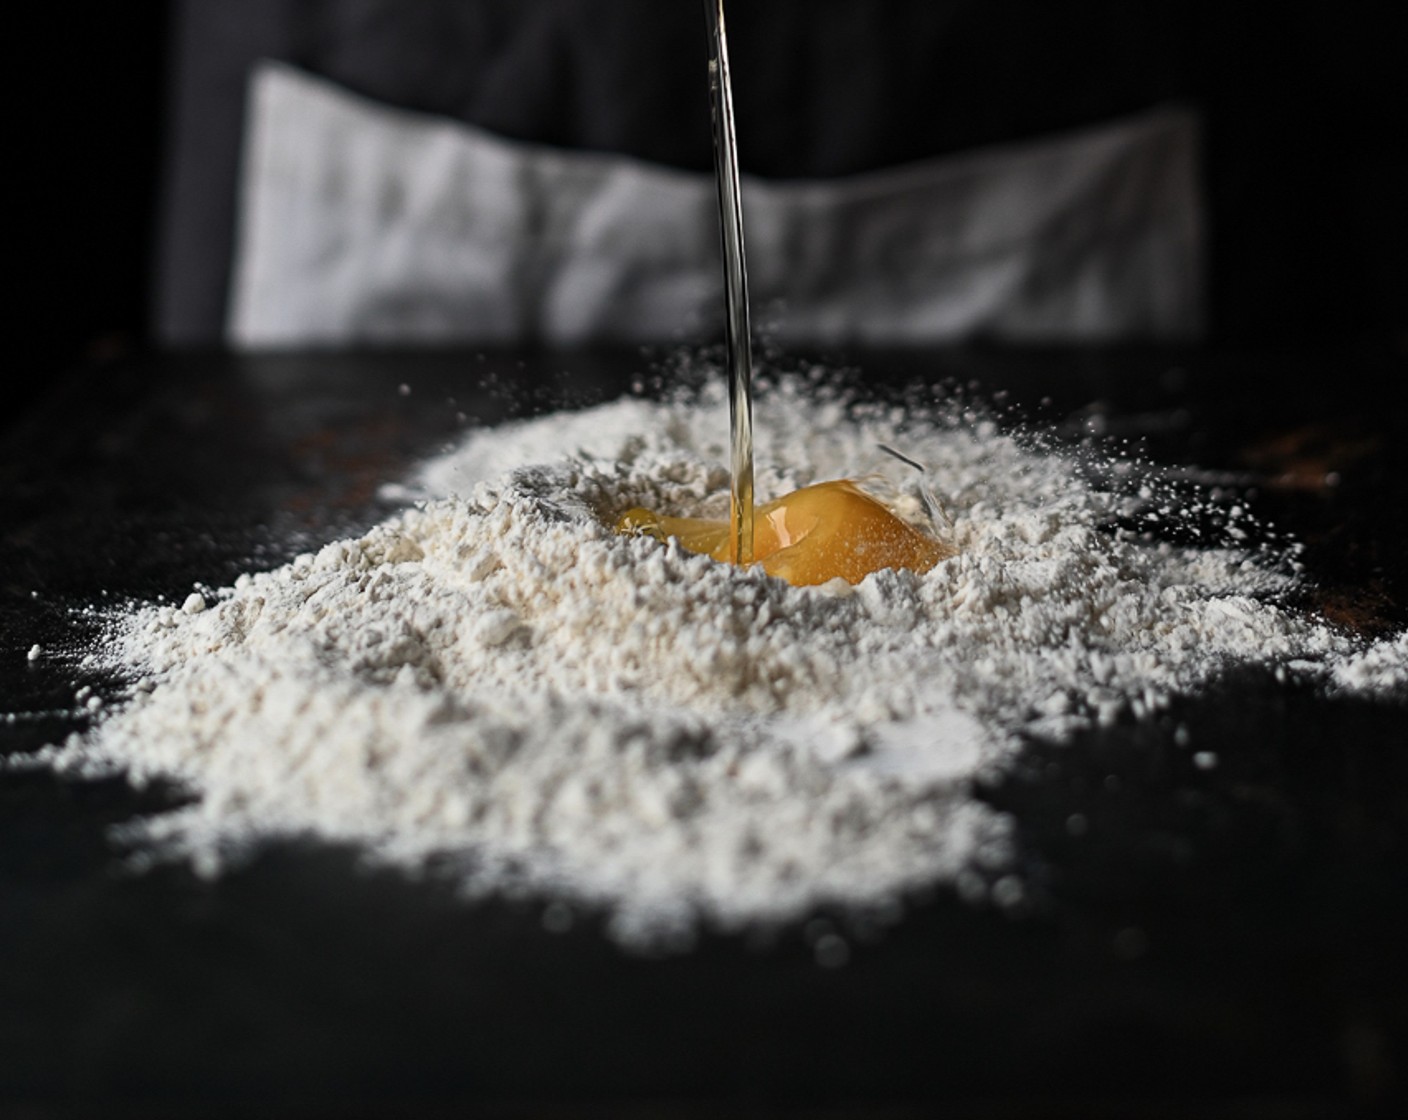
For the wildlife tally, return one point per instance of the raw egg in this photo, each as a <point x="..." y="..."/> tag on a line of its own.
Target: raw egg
<point x="808" y="537"/>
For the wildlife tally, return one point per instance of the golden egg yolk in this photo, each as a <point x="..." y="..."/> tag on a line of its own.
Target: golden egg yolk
<point x="808" y="537"/>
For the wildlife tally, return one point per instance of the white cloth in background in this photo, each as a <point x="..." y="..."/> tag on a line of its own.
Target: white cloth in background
<point x="361" y="223"/>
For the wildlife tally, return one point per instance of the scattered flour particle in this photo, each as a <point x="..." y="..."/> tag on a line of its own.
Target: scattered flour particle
<point x="1380" y="667"/>
<point x="831" y="951"/>
<point x="557" y="917"/>
<point x="494" y="682"/>
<point x="1008" y="892"/>
<point x="34" y="652"/>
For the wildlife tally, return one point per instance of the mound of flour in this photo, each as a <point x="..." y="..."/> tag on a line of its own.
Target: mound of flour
<point x="495" y="683"/>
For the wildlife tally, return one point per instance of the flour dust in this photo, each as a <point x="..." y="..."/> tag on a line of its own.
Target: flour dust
<point x="494" y="683"/>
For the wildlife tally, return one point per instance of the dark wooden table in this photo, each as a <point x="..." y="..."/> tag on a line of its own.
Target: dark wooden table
<point x="1225" y="942"/>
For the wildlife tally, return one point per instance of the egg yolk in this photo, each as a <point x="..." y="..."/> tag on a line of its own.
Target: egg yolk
<point x="810" y="536"/>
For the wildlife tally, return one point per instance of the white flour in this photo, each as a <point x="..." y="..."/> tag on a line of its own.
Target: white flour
<point x="497" y="682"/>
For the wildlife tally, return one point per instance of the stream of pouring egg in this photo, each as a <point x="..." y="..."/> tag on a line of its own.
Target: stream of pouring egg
<point x="737" y="333"/>
<point x="827" y="531"/>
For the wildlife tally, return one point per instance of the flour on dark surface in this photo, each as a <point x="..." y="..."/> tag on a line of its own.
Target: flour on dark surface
<point x="495" y="683"/>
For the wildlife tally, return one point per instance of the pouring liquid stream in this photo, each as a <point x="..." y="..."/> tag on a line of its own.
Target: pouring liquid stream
<point x="737" y="334"/>
<point x="822" y="532"/>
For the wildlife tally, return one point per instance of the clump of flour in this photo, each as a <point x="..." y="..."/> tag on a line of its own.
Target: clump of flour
<point x="496" y="682"/>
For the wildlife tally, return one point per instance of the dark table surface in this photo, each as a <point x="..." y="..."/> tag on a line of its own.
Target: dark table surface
<point x="1231" y="941"/>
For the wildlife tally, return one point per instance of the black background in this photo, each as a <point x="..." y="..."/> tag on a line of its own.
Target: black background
<point x="1304" y="107"/>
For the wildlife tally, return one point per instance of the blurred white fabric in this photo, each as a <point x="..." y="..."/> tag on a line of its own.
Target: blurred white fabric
<point x="361" y="223"/>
